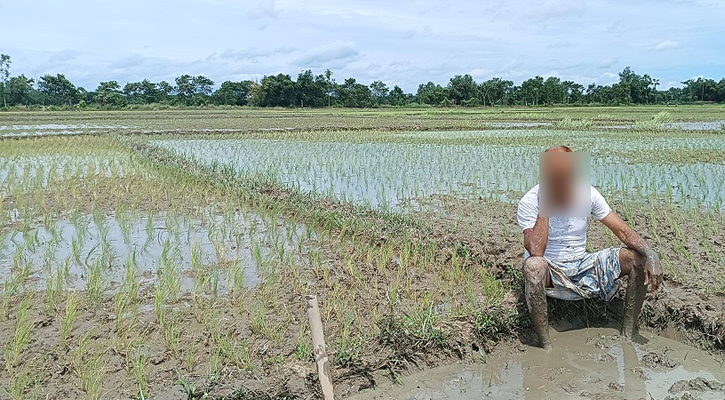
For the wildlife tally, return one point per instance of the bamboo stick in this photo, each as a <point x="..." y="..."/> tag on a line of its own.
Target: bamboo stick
<point x="318" y="343"/>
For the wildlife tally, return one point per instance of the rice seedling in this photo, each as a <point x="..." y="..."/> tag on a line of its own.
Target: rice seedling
<point x="92" y="375"/>
<point x="23" y="381"/>
<point x="171" y="327"/>
<point x="95" y="283"/>
<point x="72" y="303"/>
<point x="142" y="371"/>
<point x="14" y="345"/>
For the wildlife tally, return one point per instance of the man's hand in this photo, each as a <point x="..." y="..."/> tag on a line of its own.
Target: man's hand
<point x="652" y="269"/>
<point x="630" y="238"/>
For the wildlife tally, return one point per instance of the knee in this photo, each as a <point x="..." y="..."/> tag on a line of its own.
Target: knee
<point x="631" y="261"/>
<point x="535" y="269"/>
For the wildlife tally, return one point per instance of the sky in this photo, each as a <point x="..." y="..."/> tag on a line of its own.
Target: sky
<point x="403" y="42"/>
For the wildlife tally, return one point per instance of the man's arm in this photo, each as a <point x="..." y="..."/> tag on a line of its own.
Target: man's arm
<point x="631" y="239"/>
<point x="536" y="238"/>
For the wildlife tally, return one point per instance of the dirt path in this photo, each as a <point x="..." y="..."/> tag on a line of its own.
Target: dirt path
<point x="590" y="363"/>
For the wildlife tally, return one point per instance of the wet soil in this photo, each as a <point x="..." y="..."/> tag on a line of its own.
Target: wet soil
<point x="594" y="363"/>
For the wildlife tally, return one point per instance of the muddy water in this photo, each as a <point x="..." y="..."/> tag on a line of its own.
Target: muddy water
<point x="590" y="363"/>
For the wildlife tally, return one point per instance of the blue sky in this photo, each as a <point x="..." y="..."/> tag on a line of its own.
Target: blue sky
<point x="404" y="42"/>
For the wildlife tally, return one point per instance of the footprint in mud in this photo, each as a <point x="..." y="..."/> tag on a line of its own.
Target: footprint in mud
<point x="698" y="385"/>
<point x="658" y="359"/>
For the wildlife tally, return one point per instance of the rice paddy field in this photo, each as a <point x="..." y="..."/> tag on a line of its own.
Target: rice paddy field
<point x="167" y="254"/>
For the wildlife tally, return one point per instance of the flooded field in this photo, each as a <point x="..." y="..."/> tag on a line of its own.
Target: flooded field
<point x="18" y="131"/>
<point x="390" y="171"/>
<point x="217" y="252"/>
<point x="168" y="254"/>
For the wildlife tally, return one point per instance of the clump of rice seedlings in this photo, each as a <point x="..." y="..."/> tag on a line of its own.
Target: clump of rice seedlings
<point x="190" y="357"/>
<point x="169" y="270"/>
<point x="172" y="333"/>
<point x="71" y="311"/>
<point x="259" y="324"/>
<point x="200" y="273"/>
<point x="15" y="345"/>
<point x="303" y="350"/>
<point x="142" y="371"/>
<point x="89" y="368"/>
<point x="655" y="123"/>
<point x="567" y="122"/>
<point x="125" y="316"/>
<point x="54" y="287"/>
<point x="95" y="283"/>
<point x="23" y="381"/>
<point x="235" y="278"/>
<point x="160" y="296"/>
<point x="92" y="375"/>
<point x="236" y="351"/>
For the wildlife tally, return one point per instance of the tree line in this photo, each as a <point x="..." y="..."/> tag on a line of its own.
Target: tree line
<point x="322" y="90"/>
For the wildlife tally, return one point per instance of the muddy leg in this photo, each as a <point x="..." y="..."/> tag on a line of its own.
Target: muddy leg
<point x="632" y="266"/>
<point x="536" y="276"/>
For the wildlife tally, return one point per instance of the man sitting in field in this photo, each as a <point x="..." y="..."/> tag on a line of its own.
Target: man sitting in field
<point x="553" y="217"/>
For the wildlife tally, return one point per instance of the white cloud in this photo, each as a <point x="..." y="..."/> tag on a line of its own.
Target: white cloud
<point x="562" y="44"/>
<point x="557" y="9"/>
<point x="336" y="54"/>
<point x="667" y="45"/>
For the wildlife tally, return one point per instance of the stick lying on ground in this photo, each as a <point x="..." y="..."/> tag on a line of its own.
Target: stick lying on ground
<point x="318" y="343"/>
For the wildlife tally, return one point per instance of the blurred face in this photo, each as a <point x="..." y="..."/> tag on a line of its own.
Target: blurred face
<point x="563" y="183"/>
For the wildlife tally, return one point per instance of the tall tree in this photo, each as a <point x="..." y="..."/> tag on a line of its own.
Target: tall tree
<point x="4" y="76"/>
<point x="354" y="94"/>
<point x="311" y="91"/>
<point x="379" y="91"/>
<point x="165" y="91"/>
<point x="397" y="97"/>
<point x="233" y="93"/>
<point x="432" y="93"/>
<point x="463" y="90"/>
<point x="532" y="90"/>
<point x="275" y="91"/>
<point x="58" y="89"/>
<point x="21" y="90"/>
<point x="109" y="93"/>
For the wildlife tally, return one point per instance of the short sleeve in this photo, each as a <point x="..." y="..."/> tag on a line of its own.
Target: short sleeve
<point x="600" y="208"/>
<point x="528" y="211"/>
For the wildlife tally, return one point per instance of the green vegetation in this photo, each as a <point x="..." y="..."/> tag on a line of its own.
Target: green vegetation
<point x="170" y="248"/>
<point x="322" y="90"/>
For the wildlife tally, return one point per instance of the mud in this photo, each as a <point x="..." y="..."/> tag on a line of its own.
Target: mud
<point x="591" y="363"/>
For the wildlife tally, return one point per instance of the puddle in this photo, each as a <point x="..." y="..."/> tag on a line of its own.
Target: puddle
<point x="630" y="126"/>
<point x="518" y="124"/>
<point x="9" y="131"/>
<point x="585" y="364"/>
<point x="696" y="126"/>
<point x="149" y="244"/>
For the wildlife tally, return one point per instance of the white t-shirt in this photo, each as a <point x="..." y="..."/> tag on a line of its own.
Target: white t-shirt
<point x="567" y="235"/>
